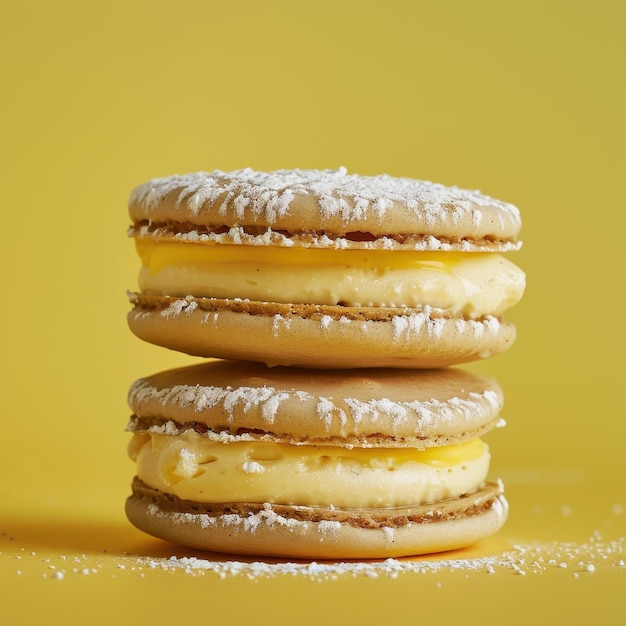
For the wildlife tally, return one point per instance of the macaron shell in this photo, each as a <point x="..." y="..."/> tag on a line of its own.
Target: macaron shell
<point x="365" y="407"/>
<point x="304" y="532"/>
<point x="332" y="201"/>
<point x="314" y="335"/>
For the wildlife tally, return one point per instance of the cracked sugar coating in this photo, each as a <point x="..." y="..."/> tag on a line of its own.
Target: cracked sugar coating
<point x="331" y="203"/>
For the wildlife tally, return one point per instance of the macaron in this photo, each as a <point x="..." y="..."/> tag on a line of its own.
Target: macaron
<point x="322" y="268"/>
<point x="240" y="458"/>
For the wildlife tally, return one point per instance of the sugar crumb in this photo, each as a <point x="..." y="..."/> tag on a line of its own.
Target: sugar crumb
<point x="574" y="559"/>
<point x="521" y="560"/>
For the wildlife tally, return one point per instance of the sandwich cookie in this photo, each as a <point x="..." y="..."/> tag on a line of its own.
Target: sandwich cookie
<point x="323" y="269"/>
<point x="236" y="457"/>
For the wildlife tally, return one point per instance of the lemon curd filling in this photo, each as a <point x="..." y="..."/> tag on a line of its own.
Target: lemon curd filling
<point x="467" y="284"/>
<point x="160" y="254"/>
<point x="195" y="468"/>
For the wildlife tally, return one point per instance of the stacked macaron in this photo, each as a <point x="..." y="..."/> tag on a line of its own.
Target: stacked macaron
<point x="327" y="422"/>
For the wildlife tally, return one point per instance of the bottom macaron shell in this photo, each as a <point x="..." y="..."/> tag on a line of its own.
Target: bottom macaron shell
<point x="318" y="533"/>
<point x="315" y="336"/>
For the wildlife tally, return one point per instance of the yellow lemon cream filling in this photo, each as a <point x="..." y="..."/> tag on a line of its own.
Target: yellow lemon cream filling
<point x="465" y="284"/>
<point x="195" y="468"/>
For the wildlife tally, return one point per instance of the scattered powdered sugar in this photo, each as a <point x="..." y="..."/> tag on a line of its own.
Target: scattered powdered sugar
<point x="326" y="321"/>
<point x="177" y="307"/>
<point x="280" y="321"/>
<point x="211" y="318"/>
<point x="328" y="527"/>
<point x="407" y="326"/>
<point x="252" y="467"/>
<point x="573" y="559"/>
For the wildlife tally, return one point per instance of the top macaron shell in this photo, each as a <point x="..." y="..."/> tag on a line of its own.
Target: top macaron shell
<point x="322" y="208"/>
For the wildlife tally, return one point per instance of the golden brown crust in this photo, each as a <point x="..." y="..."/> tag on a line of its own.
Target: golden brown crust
<point x="309" y="335"/>
<point x="307" y="532"/>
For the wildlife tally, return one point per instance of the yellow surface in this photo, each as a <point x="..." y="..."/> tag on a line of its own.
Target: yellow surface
<point x="524" y="101"/>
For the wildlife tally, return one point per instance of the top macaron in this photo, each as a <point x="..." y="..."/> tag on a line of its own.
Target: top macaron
<point x="322" y="209"/>
<point x="323" y="268"/>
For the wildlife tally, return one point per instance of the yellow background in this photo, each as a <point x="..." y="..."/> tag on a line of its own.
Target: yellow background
<point x="524" y="101"/>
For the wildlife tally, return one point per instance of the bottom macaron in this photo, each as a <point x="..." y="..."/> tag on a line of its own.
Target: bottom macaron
<point x="236" y="457"/>
<point x="318" y="532"/>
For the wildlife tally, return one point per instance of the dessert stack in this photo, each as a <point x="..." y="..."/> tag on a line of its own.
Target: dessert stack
<point x="328" y="417"/>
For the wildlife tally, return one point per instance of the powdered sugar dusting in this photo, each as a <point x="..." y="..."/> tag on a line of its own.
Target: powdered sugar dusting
<point x="328" y="412"/>
<point x="178" y="307"/>
<point x="409" y="325"/>
<point x="201" y="398"/>
<point x="406" y="325"/>
<point x="339" y="194"/>
<point x="279" y="322"/>
<point x="413" y="418"/>
<point x="328" y="527"/>
<point x="252" y="467"/>
<point x="271" y="405"/>
<point x="326" y="321"/>
<point x="376" y="409"/>
<point x="171" y="428"/>
<point x="239" y="235"/>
